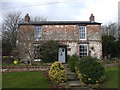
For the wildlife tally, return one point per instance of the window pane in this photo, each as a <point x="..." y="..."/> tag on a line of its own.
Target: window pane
<point x="37" y="33"/>
<point x="82" y="32"/>
<point x="83" y="50"/>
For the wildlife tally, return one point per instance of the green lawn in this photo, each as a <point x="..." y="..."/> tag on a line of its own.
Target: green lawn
<point x="112" y="77"/>
<point x="24" y="80"/>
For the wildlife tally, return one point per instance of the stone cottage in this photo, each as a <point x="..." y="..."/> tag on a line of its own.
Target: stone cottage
<point x="82" y="38"/>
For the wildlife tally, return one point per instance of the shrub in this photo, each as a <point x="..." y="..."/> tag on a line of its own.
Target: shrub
<point x="57" y="72"/>
<point x="79" y="75"/>
<point x="71" y="62"/>
<point x="7" y="60"/>
<point x="15" y="62"/>
<point x="91" y="71"/>
<point x="48" y="51"/>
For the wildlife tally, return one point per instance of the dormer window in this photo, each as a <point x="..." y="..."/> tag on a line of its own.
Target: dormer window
<point x="37" y="33"/>
<point x="82" y="32"/>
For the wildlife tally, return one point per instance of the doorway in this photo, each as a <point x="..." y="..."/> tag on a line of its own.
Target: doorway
<point x="62" y="54"/>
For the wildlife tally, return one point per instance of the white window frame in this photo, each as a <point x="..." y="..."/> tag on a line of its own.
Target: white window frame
<point x="83" y="45"/>
<point x="85" y="33"/>
<point x="38" y="28"/>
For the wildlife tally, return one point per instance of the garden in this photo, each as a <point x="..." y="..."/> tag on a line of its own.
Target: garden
<point x="49" y="73"/>
<point x="96" y="73"/>
<point x="100" y="74"/>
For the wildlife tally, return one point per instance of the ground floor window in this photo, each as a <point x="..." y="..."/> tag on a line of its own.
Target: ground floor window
<point x="83" y="50"/>
<point x="36" y="50"/>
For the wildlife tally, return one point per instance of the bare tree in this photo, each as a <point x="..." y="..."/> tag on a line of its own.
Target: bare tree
<point x="10" y="29"/>
<point x="26" y="44"/>
<point x="38" y="18"/>
<point x="110" y="29"/>
<point x="26" y="38"/>
<point x="10" y="34"/>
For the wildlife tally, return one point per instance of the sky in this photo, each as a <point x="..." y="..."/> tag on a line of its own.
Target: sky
<point x="105" y="11"/>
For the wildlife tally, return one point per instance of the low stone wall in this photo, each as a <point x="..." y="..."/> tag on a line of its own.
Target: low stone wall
<point x="23" y="68"/>
<point x="112" y="63"/>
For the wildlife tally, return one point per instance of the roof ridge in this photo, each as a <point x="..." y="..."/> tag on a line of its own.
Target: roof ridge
<point x="58" y="22"/>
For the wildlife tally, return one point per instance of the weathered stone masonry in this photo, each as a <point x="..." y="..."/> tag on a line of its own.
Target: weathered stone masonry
<point x="95" y="40"/>
<point x="66" y="32"/>
<point x="60" y="32"/>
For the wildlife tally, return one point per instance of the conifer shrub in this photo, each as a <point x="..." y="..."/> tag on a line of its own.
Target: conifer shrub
<point x="90" y="71"/>
<point x="57" y="72"/>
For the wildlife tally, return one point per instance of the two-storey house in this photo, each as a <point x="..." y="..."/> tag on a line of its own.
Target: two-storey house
<point x="82" y="38"/>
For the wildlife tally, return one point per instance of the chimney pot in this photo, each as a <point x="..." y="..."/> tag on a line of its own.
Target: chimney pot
<point x="27" y="18"/>
<point x="92" y="18"/>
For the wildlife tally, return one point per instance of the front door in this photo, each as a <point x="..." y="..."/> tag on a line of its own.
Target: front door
<point x="61" y="55"/>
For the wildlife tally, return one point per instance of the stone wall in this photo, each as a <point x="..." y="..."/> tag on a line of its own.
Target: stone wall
<point x="95" y="40"/>
<point x="68" y="34"/>
<point x="95" y="49"/>
<point x="72" y="47"/>
<point x="60" y="32"/>
<point x="94" y="32"/>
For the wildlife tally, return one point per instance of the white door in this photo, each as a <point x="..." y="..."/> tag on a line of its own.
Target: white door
<point x="61" y="55"/>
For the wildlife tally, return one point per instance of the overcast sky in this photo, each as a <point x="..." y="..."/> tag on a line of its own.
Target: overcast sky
<point x="105" y="11"/>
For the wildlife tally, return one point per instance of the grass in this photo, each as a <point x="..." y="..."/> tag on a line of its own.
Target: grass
<point x="112" y="77"/>
<point x="24" y="80"/>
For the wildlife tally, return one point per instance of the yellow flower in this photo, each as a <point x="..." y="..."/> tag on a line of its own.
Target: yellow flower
<point x="15" y="62"/>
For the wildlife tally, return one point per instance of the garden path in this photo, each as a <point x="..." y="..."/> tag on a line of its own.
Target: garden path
<point x="72" y="80"/>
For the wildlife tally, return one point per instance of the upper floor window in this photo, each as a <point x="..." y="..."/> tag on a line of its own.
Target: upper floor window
<point x="82" y="32"/>
<point x="37" y="33"/>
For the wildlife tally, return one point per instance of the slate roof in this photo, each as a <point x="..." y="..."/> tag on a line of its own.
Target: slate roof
<point x="60" y="23"/>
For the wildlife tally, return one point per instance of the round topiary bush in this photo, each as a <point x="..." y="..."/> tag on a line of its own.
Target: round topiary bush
<point x="57" y="72"/>
<point x="92" y="71"/>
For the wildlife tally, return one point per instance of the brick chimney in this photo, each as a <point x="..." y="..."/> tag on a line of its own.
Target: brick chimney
<point x="27" y="18"/>
<point x="92" y="18"/>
